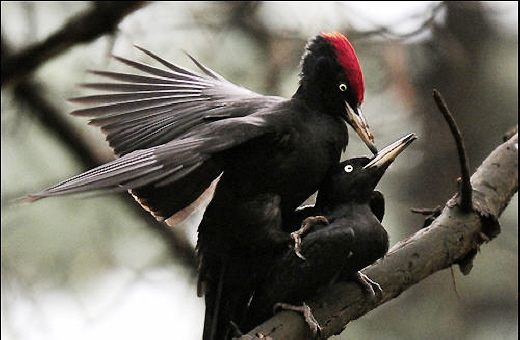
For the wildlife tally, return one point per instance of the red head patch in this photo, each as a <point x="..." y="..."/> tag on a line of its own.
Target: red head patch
<point x="347" y="58"/>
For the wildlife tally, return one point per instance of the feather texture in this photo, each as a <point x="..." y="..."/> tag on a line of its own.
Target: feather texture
<point x="143" y="111"/>
<point x="165" y="125"/>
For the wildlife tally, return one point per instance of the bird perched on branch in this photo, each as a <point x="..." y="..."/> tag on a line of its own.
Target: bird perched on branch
<point x="353" y="239"/>
<point x="237" y="240"/>
<point x="182" y="137"/>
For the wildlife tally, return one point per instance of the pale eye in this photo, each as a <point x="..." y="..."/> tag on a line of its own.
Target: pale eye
<point x="349" y="168"/>
<point x="342" y="87"/>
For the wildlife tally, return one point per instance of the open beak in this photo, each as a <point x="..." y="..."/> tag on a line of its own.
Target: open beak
<point x="387" y="155"/>
<point x="356" y="119"/>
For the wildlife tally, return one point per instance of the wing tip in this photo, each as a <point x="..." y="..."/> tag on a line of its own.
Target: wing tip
<point x="27" y="199"/>
<point x="141" y="48"/>
<point x="118" y="58"/>
<point x="79" y="113"/>
<point x="78" y="99"/>
<point x="145" y="51"/>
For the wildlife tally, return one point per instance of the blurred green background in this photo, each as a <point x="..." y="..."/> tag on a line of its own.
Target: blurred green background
<point x="98" y="268"/>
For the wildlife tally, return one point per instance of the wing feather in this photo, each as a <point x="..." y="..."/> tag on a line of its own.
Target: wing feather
<point x="137" y="87"/>
<point x="167" y="127"/>
<point x="162" y="165"/>
<point x="132" y="96"/>
<point x="140" y="111"/>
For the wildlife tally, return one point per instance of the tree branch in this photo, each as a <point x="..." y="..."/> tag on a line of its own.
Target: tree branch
<point x="465" y="188"/>
<point x="102" y="18"/>
<point x="450" y="239"/>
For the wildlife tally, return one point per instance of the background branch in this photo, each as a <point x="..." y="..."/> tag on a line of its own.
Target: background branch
<point x="448" y="240"/>
<point x="102" y="18"/>
<point x="29" y="94"/>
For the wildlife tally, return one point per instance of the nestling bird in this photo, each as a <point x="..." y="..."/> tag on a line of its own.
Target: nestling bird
<point x="182" y="137"/>
<point x="353" y="239"/>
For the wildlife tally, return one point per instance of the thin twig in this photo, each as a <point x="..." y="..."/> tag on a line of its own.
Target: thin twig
<point x="454" y="282"/>
<point x="465" y="187"/>
<point x="510" y="134"/>
<point x="428" y="24"/>
<point x="427" y="211"/>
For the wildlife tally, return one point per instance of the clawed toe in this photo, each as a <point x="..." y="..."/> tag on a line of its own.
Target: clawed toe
<point x="307" y="315"/>
<point x="297" y="244"/>
<point x="372" y="288"/>
<point x="307" y="224"/>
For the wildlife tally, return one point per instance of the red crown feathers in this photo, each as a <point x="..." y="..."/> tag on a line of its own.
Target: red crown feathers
<point x="347" y="58"/>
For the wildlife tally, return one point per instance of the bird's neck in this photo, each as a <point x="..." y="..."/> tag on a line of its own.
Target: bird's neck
<point x="345" y="210"/>
<point x="311" y="95"/>
<point x="335" y="198"/>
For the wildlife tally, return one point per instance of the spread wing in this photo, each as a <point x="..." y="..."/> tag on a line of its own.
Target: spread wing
<point x="166" y="125"/>
<point x="145" y="110"/>
<point x="163" y="164"/>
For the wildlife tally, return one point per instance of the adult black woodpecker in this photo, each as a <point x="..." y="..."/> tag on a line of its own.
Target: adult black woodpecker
<point x="353" y="239"/>
<point x="236" y="242"/>
<point x="182" y="137"/>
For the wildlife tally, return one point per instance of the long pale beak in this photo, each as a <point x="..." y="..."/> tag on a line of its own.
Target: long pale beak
<point x="356" y="119"/>
<point x="390" y="152"/>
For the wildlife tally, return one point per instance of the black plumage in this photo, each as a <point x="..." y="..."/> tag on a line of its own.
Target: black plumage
<point x="352" y="240"/>
<point x="176" y="131"/>
<point x="242" y="229"/>
<point x="182" y="137"/>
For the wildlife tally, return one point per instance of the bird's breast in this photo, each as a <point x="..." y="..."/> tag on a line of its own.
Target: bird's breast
<point x="290" y="163"/>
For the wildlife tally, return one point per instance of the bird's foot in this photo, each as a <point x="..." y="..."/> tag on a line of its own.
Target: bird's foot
<point x="307" y="224"/>
<point x="372" y="288"/>
<point x="307" y="315"/>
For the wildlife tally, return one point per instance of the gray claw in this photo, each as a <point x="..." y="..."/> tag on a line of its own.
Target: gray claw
<point x="307" y="315"/>
<point x="370" y="286"/>
<point x="297" y="244"/>
<point x="307" y="224"/>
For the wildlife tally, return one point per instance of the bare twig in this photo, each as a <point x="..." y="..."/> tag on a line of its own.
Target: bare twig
<point x="465" y="187"/>
<point x="510" y="133"/>
<point x="102" y="18"/>
<point x="430" y="213"/>
<point x="427" y="211"/>
<point x="385" y="31"/>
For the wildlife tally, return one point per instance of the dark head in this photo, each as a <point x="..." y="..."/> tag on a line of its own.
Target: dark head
<point x="355" y="179"/>
<point x="331" y="78"/>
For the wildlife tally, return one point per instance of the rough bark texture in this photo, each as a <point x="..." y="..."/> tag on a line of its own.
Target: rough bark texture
<point x="453" y="238"/>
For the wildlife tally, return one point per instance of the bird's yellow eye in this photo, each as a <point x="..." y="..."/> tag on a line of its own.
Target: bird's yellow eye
<point x="342" y="87"/>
